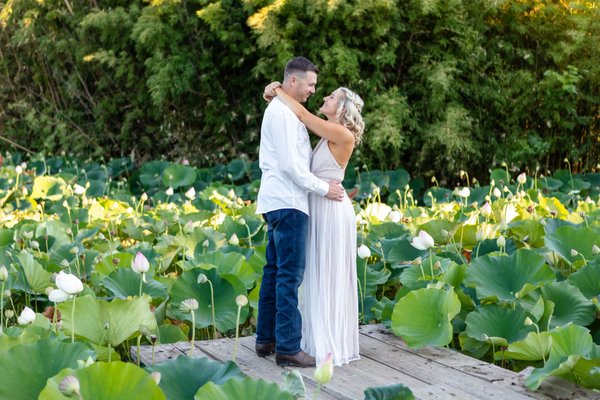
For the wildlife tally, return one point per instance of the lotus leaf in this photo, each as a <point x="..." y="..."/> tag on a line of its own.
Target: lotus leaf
<point x="568" y="238"/>
<point x="102" y="322"/>
<point x="391" y="392"/>
<point x="237" y="169"/>
<point x="107" y="381"/>
<point x="170" y="334"/>
<point x="226" y="289"/>
<point x="533" y="348"/>
<point x="245" y="388"/>
<point x="507" y="278"/>
<point x="178" y="175"/>
<point x="587" y="279"/>
<point x="573" y="355"/>
<point x="375" y="276"/>
<point x="500" y="325"/>
<point x="151" y="173"/>
<point x="529" y="231"/>
<point x="37" y="277"/>
<point x="182" y="377"/>
<point x="26" y="367"/>
<point x="552" y="207"/>
<point x="500" y="177"/>
<point x="423" y="316"/>
<point x="124" y="282"/>
<point x="231" y="264"/>
<point x="48" y="188"/>
<point x="570" y="305"/>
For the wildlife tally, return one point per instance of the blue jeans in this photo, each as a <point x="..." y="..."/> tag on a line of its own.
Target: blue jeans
<point x="279" y="319"/>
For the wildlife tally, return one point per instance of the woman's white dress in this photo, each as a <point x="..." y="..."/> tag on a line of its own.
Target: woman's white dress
<point x="329" y="298"/>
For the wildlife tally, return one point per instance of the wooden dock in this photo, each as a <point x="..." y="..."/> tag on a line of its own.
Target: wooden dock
<point x="431" y="373"/>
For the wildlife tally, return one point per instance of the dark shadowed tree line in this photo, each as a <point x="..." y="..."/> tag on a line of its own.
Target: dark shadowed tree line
<point x="448" y="84"/>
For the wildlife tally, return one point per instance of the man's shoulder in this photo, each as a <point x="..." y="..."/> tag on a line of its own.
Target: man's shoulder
<point x="277" y="107"/>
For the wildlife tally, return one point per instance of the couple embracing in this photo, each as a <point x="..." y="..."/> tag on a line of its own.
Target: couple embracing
<point x="311" y="223"/>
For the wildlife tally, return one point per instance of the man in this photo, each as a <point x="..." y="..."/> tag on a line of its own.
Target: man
<point x="284" y="159"/>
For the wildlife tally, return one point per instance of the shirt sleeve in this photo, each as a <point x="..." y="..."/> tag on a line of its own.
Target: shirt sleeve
<point x="289" y="159"/>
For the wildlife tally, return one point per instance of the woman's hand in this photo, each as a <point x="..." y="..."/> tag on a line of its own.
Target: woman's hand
<point x="269" y="92"/>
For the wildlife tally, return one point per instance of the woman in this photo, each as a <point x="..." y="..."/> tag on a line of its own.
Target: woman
<point x="329" y="302"/>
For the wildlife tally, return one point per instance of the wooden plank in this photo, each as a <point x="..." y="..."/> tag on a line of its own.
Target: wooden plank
<point x="162" y="353"/>
<point x="433" y="373"/>
<point x="552" y="388"/>
<point x="252" y="365"/>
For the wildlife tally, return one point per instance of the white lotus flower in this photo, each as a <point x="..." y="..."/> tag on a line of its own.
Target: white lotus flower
<point x="144" y="197"/>
<point x="27" y="316"/>
<point x="78" y="190"/>
<point x="324" y="371"/>
<point x="58" y="296"/>
<point x="497" y="193"/>
<point x="574" y="253"/>
<point x="69" y="386"/>
<point x="68" y="283"/>
<point x="19" y="170"/>
<point x="169" y="191"/>
<point x="486" y="209"/>
<point x="364" y="252"/>
<point x="423" y="241"/>
<point x="395" y="216"/>
<point x="191" y="193"/>
<point x="140" y="263"/>
<point x="595" y="250"/>
<point x="3" y="273"/>
<point x="464" y="192"/>
<point x="522" y="178"/>
<point x="234" y="240"/>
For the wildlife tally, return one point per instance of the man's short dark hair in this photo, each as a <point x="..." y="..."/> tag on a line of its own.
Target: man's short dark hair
<point x="299" y="64"/>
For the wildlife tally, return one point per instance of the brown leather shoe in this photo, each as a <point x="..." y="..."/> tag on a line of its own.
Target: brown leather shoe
<point x="265" y="349"/>
<point x="300" y="359"/>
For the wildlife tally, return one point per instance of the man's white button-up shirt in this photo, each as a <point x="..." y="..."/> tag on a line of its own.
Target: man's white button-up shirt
<point x="284" y="159"/>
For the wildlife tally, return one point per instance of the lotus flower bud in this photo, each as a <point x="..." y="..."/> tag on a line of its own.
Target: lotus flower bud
<point x="501" y="242"/>
<point x="241" y="300"/>
<point x="522" y="178"/>
<point x="57" y="296"/>
<point x="202" y="278"/>
<point x="486" y="209"/>
<point x="191" y="193"/>
<point x="242" y="221"/>
<point x="144" y="197"/>
<point x="19" y="170"/>
<point x="528" y="322"/>
<point x="3" y="273"/>
<point x="497" y="193"/>
<point x="35" y="244"/>
<point x="464" y="192"/>
<point x="140" y="263"/>
<point x="9" y="314"/>
<point x="234" y="240"/>
<point x="423" y="241"/>
<point x="324" y="370"/>
<point x="574" y="253"/>
<point x="69" y="386"/>
<point x="78" y="190"/>
<point x="155" y="375"/>
<point x="595" y="250"/>
<point x="169" y="191"/>
<point x="364" y="252"/>
<point x="417" y="261"/>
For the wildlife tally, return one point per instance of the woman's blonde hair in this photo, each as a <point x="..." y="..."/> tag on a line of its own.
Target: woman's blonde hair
<point x="348" y="113"/>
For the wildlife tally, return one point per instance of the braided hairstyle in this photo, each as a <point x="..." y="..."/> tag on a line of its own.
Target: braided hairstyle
<point x="348" y="113"/>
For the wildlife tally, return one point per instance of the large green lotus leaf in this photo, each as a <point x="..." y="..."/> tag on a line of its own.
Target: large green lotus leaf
<point x="467" y="235"/>
<point x="508" y="277"/>
<point x="402" y="252"/>
<point x="587" y="279"/>
<point x="439" y="194"/>
<point x="151" y="173"/>
<point x="125" y="282"/>
<point x="178" y="175"/>
<point x="26" y="368"/>
<point x="501" y="325"/>
<point x="182" y="377"/>
<point x="48" y="187"/>
<point x="7" y="236"/>
<point x="245" y="388"/>
<point x="534" y="347"/>
<point x="473" y="347"/>
<point x="103" y="322"/>
<point x="567" y="238"/>
<point x="454" y="274"/>
<point x="237" y="169"/>
<point x="107" y="381"/>
<point x="110" y="263"/>
<point x="570" y="305"/>
<point x="37" y="277"/>
<point x="231" y="264"/>
<point x="391" y="392"/>
<point x="423" y="316"/>
<point x="500" y="177"/>
<point x="386" y="230"/>
<point x="8" y="341"/>
<point x="226" y="289"/>
<point x="435" y="228"/>
<point x="570" y="344"/>
<point x="375" y="277"/>
<point x="412" y="277"/>
<point x="170" y="334"/>
<point x="552" y="207"/>
<point x="529" y="231"/>
<point x="242" y="231"/>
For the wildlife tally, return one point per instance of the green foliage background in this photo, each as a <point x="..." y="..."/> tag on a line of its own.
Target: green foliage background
<point x="448" y="84"/>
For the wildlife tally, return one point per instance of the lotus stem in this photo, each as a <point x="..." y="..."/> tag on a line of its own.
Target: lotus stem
<point x="212" y="308"/>
<point x="237" y="333"/>
<point x="431" y="263"/>
<point x="73" y="323"/>
<point x="141" y="283"/>
<point x="2" y="309"/>
<point x="55" y="320"/>
<point x="193" y="332"/>
<point x="139" y="349"/>
<point x="364" y="292"/>
<point x="362" y="302"/>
